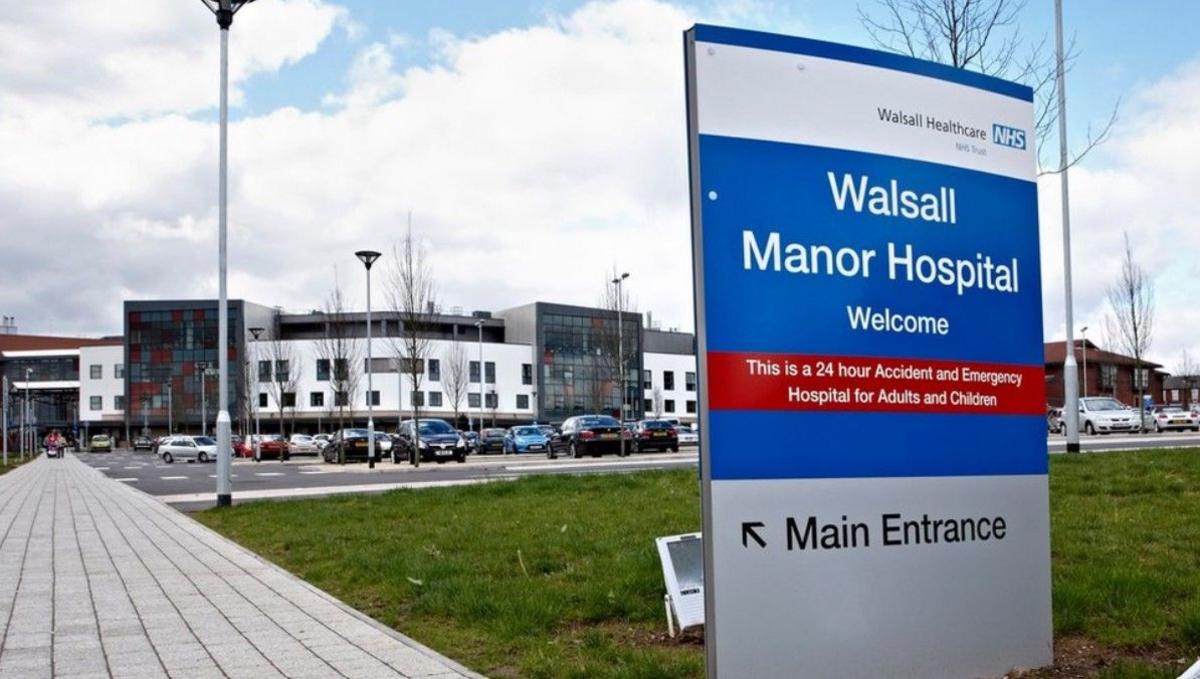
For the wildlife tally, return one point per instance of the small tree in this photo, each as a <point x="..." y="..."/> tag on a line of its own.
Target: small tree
<point x="341" y="350"/>
<point x="411" y="293"/>
<point x="1130" y="323"/>
<point x="285" y="376"/>
<point x="455" y="377"/>
<point x="657" y="395"/>
<point x="1187" y="372"/>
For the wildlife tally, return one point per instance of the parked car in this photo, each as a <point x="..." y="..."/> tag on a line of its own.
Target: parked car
<point x="548" y="429"/>
<point x="655" y="435"/>
<point x="270" y="445"/>
<point x="687" y="436"/>
<point x="525" y="439"/>
<point x="351" y="444"/>
<point x="383" y="444"/>
<point x="198" y="448"/>
<point x="1174" y="417"/>
<point x="241" y="448"/>
<point x="101" y="443"/>
<point x="321" y="440"/>
<point x="143" y="443"/>
<point x="1104" y="415"/>
<point x="492" y="440"/>
<point x="588" y="435"/>
<point x="302" y="444"/>
<point x="1055" y="422"/>
<point x="472" y="439"/>
<point x="435" y="441"/>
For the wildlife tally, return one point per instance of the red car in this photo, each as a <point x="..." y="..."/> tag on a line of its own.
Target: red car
<point x="273" y="445"/>
<point x="241" y="448"/>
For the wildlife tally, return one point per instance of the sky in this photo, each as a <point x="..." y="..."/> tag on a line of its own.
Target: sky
<point x="535" y="146"/>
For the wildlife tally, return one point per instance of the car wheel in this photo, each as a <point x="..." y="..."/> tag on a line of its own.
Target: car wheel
<point x="168" y="458"/>
<point x="674" y="449"/>
<point x="575" y="451"/>
<point x="462" y="458"/>
<point x="1157" y="428"/>
<point x="284" y="457"/>
<point x="1089" y="429"/>
<point x="202" y="457"/>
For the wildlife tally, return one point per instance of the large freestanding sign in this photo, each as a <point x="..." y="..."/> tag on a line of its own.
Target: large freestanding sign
<point x="868" y="308"/>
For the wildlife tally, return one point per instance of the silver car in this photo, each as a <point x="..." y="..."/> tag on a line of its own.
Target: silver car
<point x="188" y="448"/>
<point x="1104" y="415"/>
<point x="303" y="444"/>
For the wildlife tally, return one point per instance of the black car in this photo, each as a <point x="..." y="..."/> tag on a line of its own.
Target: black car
<point x="492" y="440"/>
<point x="143" y="443"/>
<point x="655" y="435"/>
<point x="437" y="441"/>
<point x="588" y="435"/>
<point x="351" y="444"/>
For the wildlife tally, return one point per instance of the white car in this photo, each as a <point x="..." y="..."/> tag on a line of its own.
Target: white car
<point x="303" y="444"/>
<point x="321" y="440"/>
<point x="1173" y="417"/>
<point x="188" y="448"/>
<point x="1103" y="415"/>
<point x="687" y="436"/>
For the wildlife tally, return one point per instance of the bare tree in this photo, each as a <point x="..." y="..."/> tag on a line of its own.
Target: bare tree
<point x="657" y="395"/>
<point x="411" y="292"/>
<point x="285" y="376"/>
<point x="1189" y="372"/>
<point x="455" y="376"/>
<point x="983" y="36"/>
<point x="1130" y="323"/>
<point x="609" y="339"/>
<point x="247" y="393"/>
<point x="340" y="349"/>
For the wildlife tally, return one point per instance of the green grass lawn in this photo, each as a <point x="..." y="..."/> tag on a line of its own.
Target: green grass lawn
<point x="14" y="461"/>
<point x="559" y="577"/>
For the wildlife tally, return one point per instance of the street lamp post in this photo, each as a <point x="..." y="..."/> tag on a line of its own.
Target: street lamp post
<point x="256" y="332"/>
<point x="368" y="258"/>
<point x="4" y="400"/>
<point x="145" y="416"/>
<point x="621" y="354"/>
<point x="1083" y="331"/>
<point x="170" y="409"/>
<point x="224" y="11"/>
<point x="1070" y="370"/>
<point x="203" y="368"/>
<point x="479" y="326"/>
<point x="29" y="430"/>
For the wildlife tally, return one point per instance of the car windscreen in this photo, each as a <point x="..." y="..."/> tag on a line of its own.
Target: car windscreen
<point x="1103" y="404"/>
<point x="204" y="441"/>
<point x="493" y="432"/>
<point x="656" y="424"/>
<point x="527" y="431"/>
<point x="1172" y="409"/>
<point x="599" y="422"/>
<point x="354" y="432"/>
<point x="429" y="427"/>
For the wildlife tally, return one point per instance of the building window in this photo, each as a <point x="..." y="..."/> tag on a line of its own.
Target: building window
<point x="341" y="369"/>
<point x="377" y="366"/>
<point x="1141" y="378"/>
<point x="373" y="397"/>
<point x="262" y="400"/>
<point x="669" y="380"/>
<point x="119" y="402"/>
<point x="281" y="371"/>
<point x="689" y="381"/>
<point x="1195" y="395"/>
<point x="417" y="398"/>
<point x="522" y="401"/>
<point x="489" y="372"/>
<point x="341" y="399"/>
<point x="526" y="373"/>
<point x="289" y="399"/>
<point x="669" y="405"/>
<point x="96" y="403"/>
<point x="647" y="380"/>
<point x="96" y="372"/>
<point x="647" y="405"/>
<point x="435" y="399"/>
<point x="492" y="401"/>
<point x="322" y="369"/>
<point x="435" y="370"/>
<point x="264" y="371"/>
<point x="119" y="371"/>
<point x="1108" y="376"/>
<point x="691" y="407"/>
<point x="316" y="399"/>
<point x="473" y="369"/>
<point x="473" y="400"/>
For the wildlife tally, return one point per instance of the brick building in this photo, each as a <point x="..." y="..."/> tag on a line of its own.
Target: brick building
<point x="1101" y="373"/>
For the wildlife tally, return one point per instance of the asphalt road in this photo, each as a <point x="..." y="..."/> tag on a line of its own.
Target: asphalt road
<point x="191" y="485"/>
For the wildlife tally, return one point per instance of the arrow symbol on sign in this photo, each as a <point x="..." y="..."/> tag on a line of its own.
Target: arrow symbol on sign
<point x="748" y="531"/>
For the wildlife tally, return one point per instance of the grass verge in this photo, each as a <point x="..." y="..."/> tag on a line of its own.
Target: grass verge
<point x="557" y="576"/>
<point x="14" y="461"/>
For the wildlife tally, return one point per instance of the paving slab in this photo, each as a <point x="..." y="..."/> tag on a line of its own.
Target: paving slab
<point x="98" y="579"/>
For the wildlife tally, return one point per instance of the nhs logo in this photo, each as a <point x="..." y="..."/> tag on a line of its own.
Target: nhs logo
<point x="1008" y="136"/>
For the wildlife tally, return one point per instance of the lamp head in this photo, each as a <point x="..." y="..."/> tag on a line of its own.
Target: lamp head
<point x="368" y="257"/>
<point x="256" y="332"/>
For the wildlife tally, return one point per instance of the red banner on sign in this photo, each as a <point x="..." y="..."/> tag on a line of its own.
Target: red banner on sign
<point x="741" y="381"/>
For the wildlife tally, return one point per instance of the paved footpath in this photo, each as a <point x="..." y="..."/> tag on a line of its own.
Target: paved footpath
<point x="101" y="580"/>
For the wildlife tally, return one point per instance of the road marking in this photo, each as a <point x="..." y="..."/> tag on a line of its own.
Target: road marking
<point x="329" y="490"/>
<point x="317" y="471"/>
<point x="102" y="468"/>
<point x="172" y="478"/>
<point x="213" y="476"/>
<point x="594" y="465"/>
<point x="130" y="479"/>
<point x="135" y="466"/>
<point x="268" y="473"/>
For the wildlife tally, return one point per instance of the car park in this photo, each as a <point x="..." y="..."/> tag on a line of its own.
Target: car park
<point x="434" y="441"/>
<point x="350" y="444"/>
<point x="525" y="439"/>
<point x="1168" y="418"/>
<point x="655" y="435"/>
<point x="1104" y="415"/>
<point x="302" y="444"/>
<point x="143" y="443"/>
<point x="270" y="445"/>
<point x="321" y="440"/>
<point x="101" y="443"/>
<point x="687" y="436"/>
<point x="588" y="435"/>
<point x="492" y="440"/>
<point x="187" y="448"/>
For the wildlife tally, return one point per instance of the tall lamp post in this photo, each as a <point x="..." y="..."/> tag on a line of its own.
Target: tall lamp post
<point x="256" y="332"/>
<point x="224" y="11"/>
<point x="621" y="353"/>
<point x="479" y="326"/>
<point x="1083" y="331"/>
<point x="4" y="400"/>
<point x="368" y="258"/>
<point x="1070" y="369"/>
<point x="28" y="430"/>
<point x="170" y="408"/>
